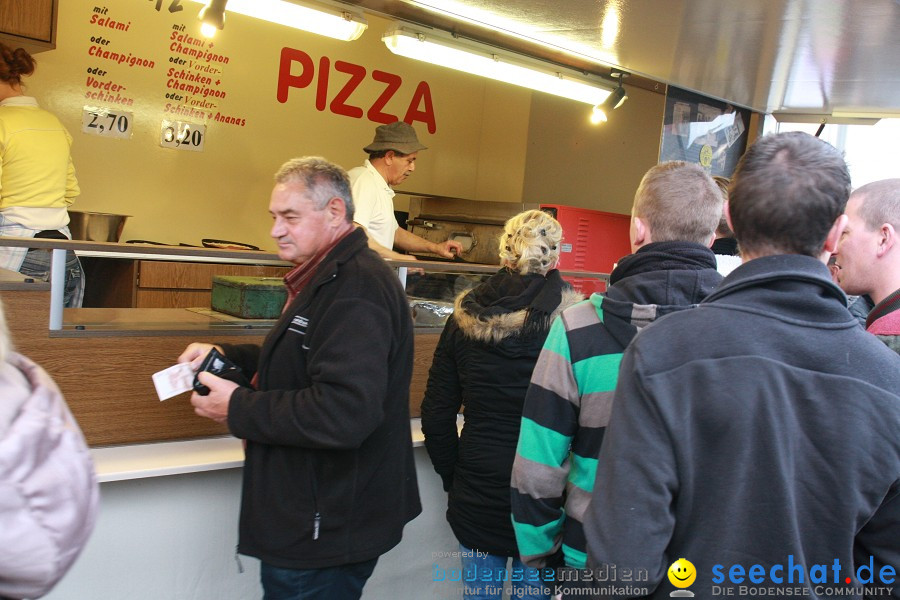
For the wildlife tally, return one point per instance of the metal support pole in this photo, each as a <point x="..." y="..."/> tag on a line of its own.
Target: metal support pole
<point x="57" y="287"/>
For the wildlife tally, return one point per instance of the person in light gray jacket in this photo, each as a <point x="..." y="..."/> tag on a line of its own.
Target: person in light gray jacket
<point x="48" y="490"/>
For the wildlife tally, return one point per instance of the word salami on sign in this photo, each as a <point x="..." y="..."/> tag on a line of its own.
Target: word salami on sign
<point x="107" y="122"/>
<point x="180" y="135"/>
<point x="420" y="106"/>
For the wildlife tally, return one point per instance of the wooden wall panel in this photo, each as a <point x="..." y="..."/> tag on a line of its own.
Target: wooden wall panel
<point x="169" y="298"/>
<point x="424" y="352"/>
<point x="185" y="275"/>
<point x="125" y="283"/>
<point x="106" y="380"/>
<point x="33" y="19"/>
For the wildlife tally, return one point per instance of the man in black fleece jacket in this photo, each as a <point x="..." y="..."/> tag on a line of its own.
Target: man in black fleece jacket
<point x="329" y="478"/>
<point x="756" y="436"/>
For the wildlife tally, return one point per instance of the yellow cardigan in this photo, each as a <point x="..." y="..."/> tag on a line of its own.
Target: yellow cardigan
<point x="36" y="169"/>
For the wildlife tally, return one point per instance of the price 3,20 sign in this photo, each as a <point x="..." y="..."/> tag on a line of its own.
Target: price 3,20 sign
<point x="180" y="135"/>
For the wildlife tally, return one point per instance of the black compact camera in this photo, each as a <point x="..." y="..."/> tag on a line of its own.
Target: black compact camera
<point x="216" y="363"/>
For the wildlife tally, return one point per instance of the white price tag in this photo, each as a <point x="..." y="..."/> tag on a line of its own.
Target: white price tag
<point x="180" y="135"/>
<point x="108" y="122"/>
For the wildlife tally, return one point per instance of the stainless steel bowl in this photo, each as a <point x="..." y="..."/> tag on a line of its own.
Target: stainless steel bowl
<point x="95" y="226"/>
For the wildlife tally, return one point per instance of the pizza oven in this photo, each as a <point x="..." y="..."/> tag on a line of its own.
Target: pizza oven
<point x="476" y="225"/>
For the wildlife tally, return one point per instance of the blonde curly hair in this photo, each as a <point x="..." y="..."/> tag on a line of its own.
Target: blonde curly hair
<point x="530" y="242"/>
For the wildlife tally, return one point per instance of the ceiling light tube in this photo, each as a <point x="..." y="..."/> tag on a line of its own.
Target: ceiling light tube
<point x="478" y="59"/>
<point x="835" y="119"/>
<point x="324" y="19"/>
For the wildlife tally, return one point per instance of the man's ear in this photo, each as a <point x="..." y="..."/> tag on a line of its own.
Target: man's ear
<point x="887" y="238"/>
<point x="389" y="156"/>
<point x="641" y="233"/>
<point x="337" y="210"/>
<point x="727" y="214"/>
<point x="834" y="236"/>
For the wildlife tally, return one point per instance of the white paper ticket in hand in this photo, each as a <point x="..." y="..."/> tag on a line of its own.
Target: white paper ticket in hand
<point x="175" y="380"/>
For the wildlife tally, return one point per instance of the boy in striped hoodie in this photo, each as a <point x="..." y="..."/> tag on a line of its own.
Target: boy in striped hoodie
<point x="676" y="209"/>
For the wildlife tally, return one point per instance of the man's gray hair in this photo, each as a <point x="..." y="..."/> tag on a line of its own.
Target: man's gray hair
<point x="322" y="179"/>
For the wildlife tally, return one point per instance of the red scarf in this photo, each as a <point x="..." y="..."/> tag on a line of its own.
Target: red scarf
<point x="298" y="278"/>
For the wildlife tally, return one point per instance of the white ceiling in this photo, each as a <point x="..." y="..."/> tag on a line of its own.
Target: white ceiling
<point x="800" y="56"/>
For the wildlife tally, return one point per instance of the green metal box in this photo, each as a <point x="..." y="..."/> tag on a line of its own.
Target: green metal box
<point x="249" y="297"/>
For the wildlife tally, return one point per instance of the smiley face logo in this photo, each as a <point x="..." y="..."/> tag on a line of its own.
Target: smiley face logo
<point x="682" y="573"/>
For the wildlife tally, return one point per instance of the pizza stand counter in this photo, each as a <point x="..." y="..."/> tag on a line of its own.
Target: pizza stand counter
<point x="103" y="358"/>
<point x="171" y="480"/>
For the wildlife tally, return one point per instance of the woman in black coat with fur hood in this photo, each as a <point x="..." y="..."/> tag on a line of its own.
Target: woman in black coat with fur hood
<point x="483" y="362"/>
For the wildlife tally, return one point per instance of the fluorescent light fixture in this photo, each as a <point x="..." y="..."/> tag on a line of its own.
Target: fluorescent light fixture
<point x="479" y="59"/>
<point x="316" y="17"/>
<point x="835" y="119"/>
<point x="849" y="113"/>
<point x="523" y="28"/>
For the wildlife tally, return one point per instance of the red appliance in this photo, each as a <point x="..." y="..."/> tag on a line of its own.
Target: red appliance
<point x="592" y="241"/>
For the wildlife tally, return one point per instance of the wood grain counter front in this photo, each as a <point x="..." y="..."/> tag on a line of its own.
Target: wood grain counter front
<point x="102" y="361"/>
<point x="106" y="378"/>
<point x="103" y="358"/>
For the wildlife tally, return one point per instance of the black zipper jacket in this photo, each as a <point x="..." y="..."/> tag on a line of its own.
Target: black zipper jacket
<point x="329" y="477"/>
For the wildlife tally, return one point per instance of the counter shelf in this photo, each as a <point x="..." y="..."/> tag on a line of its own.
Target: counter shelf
<point x="58" y="249"/>
<point x="88" y="321"/>
<point x="138" y="461"/>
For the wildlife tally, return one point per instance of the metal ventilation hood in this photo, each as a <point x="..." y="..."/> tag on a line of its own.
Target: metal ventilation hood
<point x="788" y="56"/>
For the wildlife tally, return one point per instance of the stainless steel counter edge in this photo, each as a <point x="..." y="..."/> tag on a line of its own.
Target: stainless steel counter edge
<point x="59" y="248"/>
<point x="149" y="251"/>
<point x="69" y="332"/>
<point x="256" y="257"/>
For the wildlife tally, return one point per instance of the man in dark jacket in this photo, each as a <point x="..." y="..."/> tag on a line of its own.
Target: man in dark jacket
<point x="752" y="448"/>
<point x="329" y="478"/>
<point x="676" y="209"/>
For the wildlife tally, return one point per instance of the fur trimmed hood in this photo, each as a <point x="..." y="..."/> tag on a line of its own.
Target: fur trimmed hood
<point x="496" y="328"/>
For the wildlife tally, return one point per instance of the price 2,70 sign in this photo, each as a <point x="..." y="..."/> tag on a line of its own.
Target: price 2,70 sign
<point x="106" y="122"/>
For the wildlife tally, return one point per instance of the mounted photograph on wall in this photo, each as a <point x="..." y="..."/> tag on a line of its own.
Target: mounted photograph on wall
<point x="702" y="130"/>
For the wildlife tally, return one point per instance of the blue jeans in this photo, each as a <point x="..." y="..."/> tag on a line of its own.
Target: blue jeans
<point x="37" y="264"/>
<point x="344" y="582"/>
<point x="485" y="575"/>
